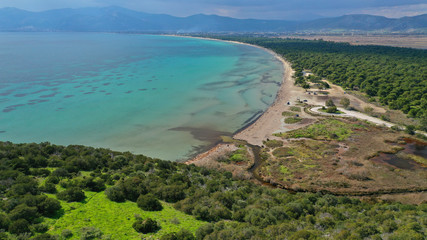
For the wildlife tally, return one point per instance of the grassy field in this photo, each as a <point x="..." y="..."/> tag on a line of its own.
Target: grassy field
<point x="115" y="219"/>
<point x="335" y="155"/>
<point x="326" y="129"/>
<point x="295" y="109"/>
<point x="293" y="120"/>
<point x="288" y="114"/>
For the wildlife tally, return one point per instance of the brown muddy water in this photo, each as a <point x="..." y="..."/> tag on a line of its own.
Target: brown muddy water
<point x="401" y="159"/>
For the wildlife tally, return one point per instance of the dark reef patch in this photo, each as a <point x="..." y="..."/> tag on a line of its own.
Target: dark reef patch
<point x="203" y="134"/>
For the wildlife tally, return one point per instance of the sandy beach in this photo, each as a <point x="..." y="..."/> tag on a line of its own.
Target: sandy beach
<point x="269" y="122"/>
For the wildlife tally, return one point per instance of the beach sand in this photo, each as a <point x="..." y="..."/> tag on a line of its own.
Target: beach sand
<point x="270" y="122"/>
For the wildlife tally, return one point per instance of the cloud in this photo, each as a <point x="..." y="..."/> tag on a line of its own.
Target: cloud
<point x="397" y="11"/>
<point x="261" y="9"/>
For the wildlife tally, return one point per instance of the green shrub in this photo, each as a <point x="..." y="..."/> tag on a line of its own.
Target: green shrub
<point x="48" y="188"/>
<point x="410" y="129"/>
<point x="19" y="226"/>
<point x="329" y="103"/>
<point x="49" y="206"/>
<point x="332" y="109"/>
<point x="273" y="143"/>
<point x="45" y="236"/>
<point x="87" y="233"/>
<point x="40" y="228"/>
<point x="4" y="221"/>
<point x="66" y="233"/>
<point x="24" y="212"/>
<point x="293" y="120"/>
<point x="73" y="194"/>
<point x="288" y="114"/>
<point x="204" y="230"/>
<point x="115" y="193"/>
<point x="295" y="109"/>
<point x="146" y="226"/>
<point x="149" y="202"/>
<point x="183" y="234"/>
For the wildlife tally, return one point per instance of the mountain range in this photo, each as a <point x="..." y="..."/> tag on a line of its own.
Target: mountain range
<point x="117" y="19"/>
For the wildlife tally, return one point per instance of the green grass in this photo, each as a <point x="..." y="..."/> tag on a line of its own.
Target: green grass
<point x="285" y="170"/>
<point x="237" y="157"/>
<point x="283" y="152"/>
<point x="326" y="111"/>
<point x="273" y="143"/>
<point x="288" y="114"/>
<point x="293" y="120"/>
<point x="295" y="109"/>
<point x="116" y="219"/>
<point x="418" y="159"/>
<point x="327" y="129"/>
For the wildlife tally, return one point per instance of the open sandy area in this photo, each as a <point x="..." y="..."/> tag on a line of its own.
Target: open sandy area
<point x="411" y="41"/>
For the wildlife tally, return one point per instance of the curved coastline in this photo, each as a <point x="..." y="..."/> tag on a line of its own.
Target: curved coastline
<point x="259" y="129"/>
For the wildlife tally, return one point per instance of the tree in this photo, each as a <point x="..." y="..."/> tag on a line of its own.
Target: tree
<point x="48" y="188"/>
<point x="24" y="212"/>
<point x="149" y="202"/>
<point x="146" y="226"/>
<point x="4" y="221"/>
<point x="332" y="109"/>
<point x="345" y="102"/>
<point x="73" y="194"/>
<point x="204" y="230"/>
<point x="183" y="234"/>
<point x="45" y="236"/>
<point x="330" y="103"/>
<point x="90" y="233"/>
<point x="410" y="129"/>
<point x="49" y="207"/>
<point x="115" y="193"/>
<point x="19" y="226"/>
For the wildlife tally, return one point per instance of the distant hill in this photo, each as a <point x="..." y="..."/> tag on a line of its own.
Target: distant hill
<point x="118" y="19"/>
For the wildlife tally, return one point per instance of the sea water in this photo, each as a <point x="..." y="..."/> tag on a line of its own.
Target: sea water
<point x="162" y="96"/>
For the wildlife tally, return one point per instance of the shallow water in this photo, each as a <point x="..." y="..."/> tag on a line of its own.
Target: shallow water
<point x="165" y="97"/>
<point x="400" y="159"/>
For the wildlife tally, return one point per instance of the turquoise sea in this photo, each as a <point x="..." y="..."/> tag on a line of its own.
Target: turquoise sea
<point x="166" y="97"/>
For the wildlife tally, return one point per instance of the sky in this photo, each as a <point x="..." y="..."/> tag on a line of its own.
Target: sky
<point x="258" y="9"/>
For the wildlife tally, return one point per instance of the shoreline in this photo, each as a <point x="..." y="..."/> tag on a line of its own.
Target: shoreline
<point x="270" y="121"/>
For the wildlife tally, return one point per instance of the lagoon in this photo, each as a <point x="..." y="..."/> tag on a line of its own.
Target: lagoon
<point x="162" y="96"/>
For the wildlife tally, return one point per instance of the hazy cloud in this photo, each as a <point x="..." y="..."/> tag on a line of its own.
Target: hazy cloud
<point x="265" y="9"/>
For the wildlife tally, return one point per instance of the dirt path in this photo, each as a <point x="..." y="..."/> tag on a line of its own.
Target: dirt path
<point x="359" y="115"/>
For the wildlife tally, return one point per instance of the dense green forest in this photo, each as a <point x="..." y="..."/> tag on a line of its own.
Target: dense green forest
<point x="39" y="180"/>
<point x="396" y="76"/>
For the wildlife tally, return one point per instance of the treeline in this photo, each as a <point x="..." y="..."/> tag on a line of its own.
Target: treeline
<point x="234" y="209"/>
<point x="396" y="76"/>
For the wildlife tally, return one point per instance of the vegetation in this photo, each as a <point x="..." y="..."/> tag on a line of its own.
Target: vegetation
<point x="331" y="109"/>
<point x="328" y="129"/>
<point x="395" y="76"/>
<point x="293" y="120"/>
<point x="234" y="209"/>
<point x="295" y="109"/>
<point x="345" y="156"/>
<point x="345" y="102"/>
<point x="149" y="202"/>
<point x="146" y="226"/>
<point x="273" y="143"/>
<point x="288" y="114"/>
